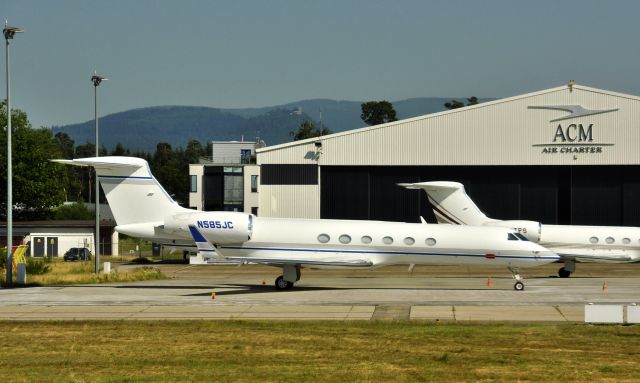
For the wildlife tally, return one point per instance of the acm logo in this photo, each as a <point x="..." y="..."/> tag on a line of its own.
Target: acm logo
<point x="574" y="133"/>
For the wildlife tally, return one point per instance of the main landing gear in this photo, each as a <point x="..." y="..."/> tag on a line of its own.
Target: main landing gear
<point x="568" y="268"/>
<point x="290" y="275"/>
<point x="564" y="273"/>
<point x="281" y="284"/>
<point x="519" y="285"/>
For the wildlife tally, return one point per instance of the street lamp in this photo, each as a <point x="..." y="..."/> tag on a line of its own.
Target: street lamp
<point x="9" y="32"/>
<point x="96" y="79"/>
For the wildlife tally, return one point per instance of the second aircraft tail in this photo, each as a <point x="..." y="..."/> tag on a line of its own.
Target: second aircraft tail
<point x="450" y="203"/>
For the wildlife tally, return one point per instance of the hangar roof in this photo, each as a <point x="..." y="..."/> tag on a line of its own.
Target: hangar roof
<point x="576" y="125"/>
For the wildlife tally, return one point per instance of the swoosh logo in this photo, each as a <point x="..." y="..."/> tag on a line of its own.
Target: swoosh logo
<point x="574" y="111"/>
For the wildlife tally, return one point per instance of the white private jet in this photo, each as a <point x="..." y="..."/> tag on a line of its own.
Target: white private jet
<point x="451" y="205"/>
<point x="142" y="208"/>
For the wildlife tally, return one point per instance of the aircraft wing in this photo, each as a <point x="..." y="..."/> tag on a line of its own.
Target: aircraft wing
<point x="304" y="262"/>
<point x="582" y="257"/>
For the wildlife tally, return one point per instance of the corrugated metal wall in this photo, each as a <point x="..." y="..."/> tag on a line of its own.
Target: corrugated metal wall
<point x="290" y="201"/>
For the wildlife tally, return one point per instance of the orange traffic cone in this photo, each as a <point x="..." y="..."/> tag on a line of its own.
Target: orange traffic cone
<point x="213" y="295"/>
<point x="489" y="282"/>
<point x="605" y="288"/>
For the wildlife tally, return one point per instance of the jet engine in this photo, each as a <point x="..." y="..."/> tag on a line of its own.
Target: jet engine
<point x="529" y="229"/>
<point x="218" y="227"/>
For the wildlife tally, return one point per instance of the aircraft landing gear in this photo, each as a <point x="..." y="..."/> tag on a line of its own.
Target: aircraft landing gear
<point x="564" y="273"/>
<point x="519" y="285"/>
<point x="290" y="275"/>
<point x="281" y="284"/>
<point x="568" y="268"/>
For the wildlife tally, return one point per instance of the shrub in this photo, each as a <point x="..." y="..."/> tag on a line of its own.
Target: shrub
<point x="37" y="267"/>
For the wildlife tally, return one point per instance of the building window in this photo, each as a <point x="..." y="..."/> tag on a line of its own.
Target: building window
<point x="254" y="184"/>
<point x="254" y="211"/>
<point x="194" y="184"/>
<point x="245" y="156"/>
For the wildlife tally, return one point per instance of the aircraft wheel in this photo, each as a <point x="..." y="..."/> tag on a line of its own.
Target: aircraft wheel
<point x="519" y="286"/>
<point x="281" y="284"/>
<point x="564" y="273"/>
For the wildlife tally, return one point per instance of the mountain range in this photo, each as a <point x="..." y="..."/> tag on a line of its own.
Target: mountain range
<point x="142" y="129"/>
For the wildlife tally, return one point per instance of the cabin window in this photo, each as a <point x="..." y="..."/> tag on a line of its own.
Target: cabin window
<point x="593" y="239"/>
<point x="365" y="239"/>
<point x="323" y="238"/>
<point x="387" y="240"/>
<point x="430" y="241"/>
<point x="344" y="238"/>
<point x="512" y="237"/>
<point x="409" y="241"/>
<point x="626" y="241"/>
<point x="610" y="240"/>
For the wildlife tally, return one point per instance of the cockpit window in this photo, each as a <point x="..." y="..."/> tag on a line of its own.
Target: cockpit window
<point x="512" y="237"/>
<point x="521" y="236"/>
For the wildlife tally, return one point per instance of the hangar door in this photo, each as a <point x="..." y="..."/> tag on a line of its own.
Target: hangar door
<point x="568" y="195"/>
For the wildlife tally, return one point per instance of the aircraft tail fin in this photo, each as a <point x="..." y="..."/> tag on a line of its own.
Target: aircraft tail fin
<point x="450" y="203"/>
<point x="134" y="195"/>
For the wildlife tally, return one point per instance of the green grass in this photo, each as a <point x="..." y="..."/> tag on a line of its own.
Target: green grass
<point x="69" y="273"/>
<point x="167" y="351"/>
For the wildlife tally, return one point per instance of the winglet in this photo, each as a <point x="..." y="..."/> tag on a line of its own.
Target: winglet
<point x="201" y="242"/>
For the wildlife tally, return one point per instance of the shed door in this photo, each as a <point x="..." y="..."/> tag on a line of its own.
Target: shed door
<point x="52" y="246"/>
<point x="38" y="246"/>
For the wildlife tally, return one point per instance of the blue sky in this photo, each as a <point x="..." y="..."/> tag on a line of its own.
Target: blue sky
<point x="260" y="53"/>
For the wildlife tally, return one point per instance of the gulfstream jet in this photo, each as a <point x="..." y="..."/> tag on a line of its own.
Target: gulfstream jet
<point x="142" y="208"/>
<point x="451" y="205"/>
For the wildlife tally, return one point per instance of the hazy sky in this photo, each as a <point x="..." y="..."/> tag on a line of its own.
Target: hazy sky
<point x="261" y="53"/>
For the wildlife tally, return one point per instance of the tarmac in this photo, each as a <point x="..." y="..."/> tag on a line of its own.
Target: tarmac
<point x="436" y="293"/>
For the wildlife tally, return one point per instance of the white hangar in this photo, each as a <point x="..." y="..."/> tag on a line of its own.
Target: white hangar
<point x="567" y="155"/>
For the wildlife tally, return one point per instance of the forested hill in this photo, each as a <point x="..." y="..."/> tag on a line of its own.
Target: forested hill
<point x="141" y="129"/>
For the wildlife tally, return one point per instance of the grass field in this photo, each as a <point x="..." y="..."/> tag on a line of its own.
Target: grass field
<point x="165" y="351"/>
<point x="67" y="273"/>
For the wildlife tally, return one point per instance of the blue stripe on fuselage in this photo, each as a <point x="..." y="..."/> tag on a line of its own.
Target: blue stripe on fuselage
<point x="382" y="252"/>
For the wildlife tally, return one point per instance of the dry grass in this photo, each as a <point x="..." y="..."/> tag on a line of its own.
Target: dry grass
<point x="328" y="352"/>
<point x="67" y="273"/>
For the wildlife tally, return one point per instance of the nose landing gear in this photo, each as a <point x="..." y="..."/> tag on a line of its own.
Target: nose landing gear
<point x="519" y="285"/>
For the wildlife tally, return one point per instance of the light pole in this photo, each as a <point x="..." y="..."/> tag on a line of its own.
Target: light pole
<point x="96" y="79"/>
<point x="9" y="32"/>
